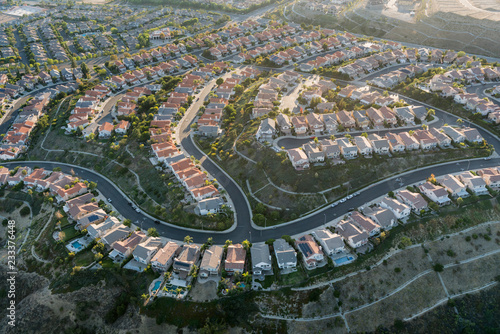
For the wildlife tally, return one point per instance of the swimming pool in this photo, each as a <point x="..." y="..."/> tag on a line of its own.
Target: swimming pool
<point x="343" y="260"/>
<point x="76" y="244"/>
<point x="156" y="286"/>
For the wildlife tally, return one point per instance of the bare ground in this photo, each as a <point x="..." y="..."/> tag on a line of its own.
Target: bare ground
<point x="471" y="275"/>
<point x="457" y="248"/>
<point x="424" y="292"/>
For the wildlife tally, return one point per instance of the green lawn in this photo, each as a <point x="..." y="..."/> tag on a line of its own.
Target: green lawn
<point x="84" y="258"/>
<point x="293" y="278"/>
<point x="267" y="282"/>
<point x="70" y="233"/>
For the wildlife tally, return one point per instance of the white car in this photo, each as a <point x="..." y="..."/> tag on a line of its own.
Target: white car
<point x="138" y="210"/>
<point x="343" y="200"/>
<point x="350" y="196"/>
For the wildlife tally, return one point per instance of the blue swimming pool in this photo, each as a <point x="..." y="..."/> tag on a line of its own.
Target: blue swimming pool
<point x="343" y="260"/>
<point x="76" y="244"/>
<point x="242" y="285"/>
<point x="156" y="286"/>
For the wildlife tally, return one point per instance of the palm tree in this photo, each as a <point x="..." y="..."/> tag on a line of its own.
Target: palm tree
<point x="188" y="239"/>
<point x="460" y="121"/>
<point x="332" y="137"/>
<point x="178" y="291"/>
<point x="228" y="242"/>
<point x="210" y="241"/>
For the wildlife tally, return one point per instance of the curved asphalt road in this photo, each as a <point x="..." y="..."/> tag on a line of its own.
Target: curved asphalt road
<point x="244" y="229"/>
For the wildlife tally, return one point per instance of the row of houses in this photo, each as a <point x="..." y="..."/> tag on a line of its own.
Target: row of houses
<point x="391" y="79"/>
<point x="330" y="123"/>
<point x="191" y="177"/>
<point x="86" y="109"/>
<point x="315" y="152"/>
<point x="16" y="140"/>
<point x="358" y="228"/>
<point x="311" y="43"/>
<point x="62" y="186"/>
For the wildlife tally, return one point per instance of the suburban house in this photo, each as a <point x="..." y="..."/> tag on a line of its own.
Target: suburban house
<point x="284" y="124"/>
<point x="209" y="205"/>
<point x="267" y="130"/>
<point x="313" y="152"/>
<point x="210" y="263"/>
<point x="298" y="158"/>
<point x="113" y="235"/>
<point x="475" y="183"/>
<point x="261" y="259"/>
<point x="164" y="257"/>
<point x="105" y="130"/>
<point x="146" y="249"/>
<point x="187" y="257"/>
<point x="435" y="193"/>
<point x="490" y="175"/>
<point x="235" y="259"/>
<point x="365" y="223"/>
<point x="94" y="217"/>
<point x="453" y="185"/>
<point x="98" y="230"/>
<point x="414" y="200"/>
<point x="400" y="210"/>
<point x="354" y="236"/>
<point x="122" y="249"/>
<point x="332" y="243"/>
<point x="384" y="217"/>
<point x="285" y="254"/>
<point x="311" y="252"/>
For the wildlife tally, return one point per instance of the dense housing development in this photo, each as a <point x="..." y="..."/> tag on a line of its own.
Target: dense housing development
<point x="260" y="166"/>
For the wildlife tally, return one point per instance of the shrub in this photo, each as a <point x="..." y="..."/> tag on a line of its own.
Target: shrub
<point x="25" y="211"/>
<point x="438" y="267"/>
<point x="397" y="270"/>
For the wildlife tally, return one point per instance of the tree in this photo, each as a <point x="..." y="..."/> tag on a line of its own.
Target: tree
<point x="219" y="81"/>
<point x="238" y="89"/>
<point x="246" y="244"/>
<point x="433" y="206"/>
<point x="194" y="271"/>
<point x="85" y="70"/>
<point x="73" y="62"/>
<point x="228" y="243"/>
<point x="460" y="201"/>
<point x="460" y="121"/>
<point x="259" y="219"/>
<point x="188" y="239"/>
<point x="153" y="233"/>
<point x="127" y="222"/>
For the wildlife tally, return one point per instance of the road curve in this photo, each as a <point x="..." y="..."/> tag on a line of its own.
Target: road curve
<point x="245" y="230"/>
